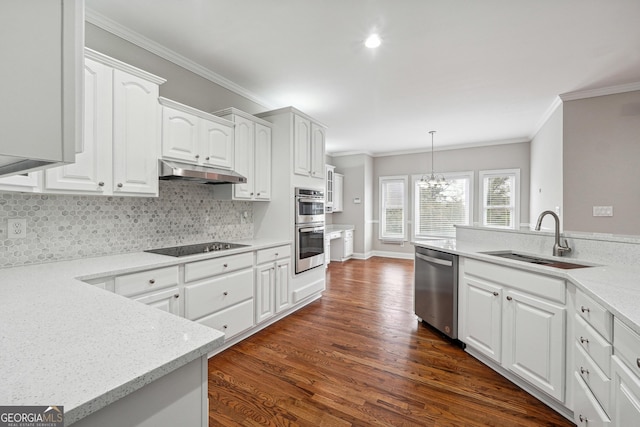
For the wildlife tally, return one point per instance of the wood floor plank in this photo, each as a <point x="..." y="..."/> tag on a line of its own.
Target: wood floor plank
<point x="358" y="357"/>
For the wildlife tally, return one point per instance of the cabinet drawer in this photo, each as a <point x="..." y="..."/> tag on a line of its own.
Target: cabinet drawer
<point x="586" y="410"/>
<point x="348" y="234"/>
<point x="232" y="320"/>
<point x="145" y="281"/>
<point x="627" y="346"/>
<point x="532" y="283"/>
<point x="272" y="254"/>
<point x="215" y="294"/>
<point x="599" y="383"/>
<point x="212" y="267"/>
<point x="594" y="345"/>
<point x="595" y="314"/>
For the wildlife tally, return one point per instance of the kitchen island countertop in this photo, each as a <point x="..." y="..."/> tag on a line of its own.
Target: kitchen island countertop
<point x="65" y="342"/>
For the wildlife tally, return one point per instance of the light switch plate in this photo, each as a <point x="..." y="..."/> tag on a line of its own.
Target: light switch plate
<point x="17" y="228"/>
<point x="603" y="211"/>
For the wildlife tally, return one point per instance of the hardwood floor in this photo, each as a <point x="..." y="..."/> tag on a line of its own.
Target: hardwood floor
<point x="358" y="357"/>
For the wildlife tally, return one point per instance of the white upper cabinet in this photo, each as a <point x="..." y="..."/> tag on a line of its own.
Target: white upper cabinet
<point x="252" y="157"/>
<point x="41" y="89"/>
<point x="338" y="192"/>
<point x="196" y="137"/>
<point x="308" y="149"/>
<point x="121" y="133"/>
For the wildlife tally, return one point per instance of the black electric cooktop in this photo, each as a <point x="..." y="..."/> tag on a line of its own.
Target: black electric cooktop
<point x="200" y="248"/>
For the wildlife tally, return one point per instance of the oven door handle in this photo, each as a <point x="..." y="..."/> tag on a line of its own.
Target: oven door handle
<point x="310" y="200"/>
<point x="434" y="260"/>
<point x="311" y="229"/>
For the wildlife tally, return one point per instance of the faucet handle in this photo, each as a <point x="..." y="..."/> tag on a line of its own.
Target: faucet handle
<point x="566" y="247"/>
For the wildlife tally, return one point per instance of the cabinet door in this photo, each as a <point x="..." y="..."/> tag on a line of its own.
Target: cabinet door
<point x="625" y="395"/>
<point x="348" y="244"/>
<point x="481" y="317"/>
<point x="262" y="163"/>
<point x="328" y="193"/>
<point x="338" y="185"/>
<point x="283" y="297"/>
<point x="91" y="172"/>
<point x="180" y="135"/>
<point x="135" y="135"/>
<point x="165" y="300"/>
<point x="244" y="157"/>
<point x="302" y="146"/>
<point x="534" y="341"/>
<point x="265" y="292"/>
<point x="217" y="144"/>
<point x="317" y="151"/>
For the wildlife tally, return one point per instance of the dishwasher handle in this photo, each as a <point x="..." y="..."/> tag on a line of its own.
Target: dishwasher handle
<point x="434" y="260"/>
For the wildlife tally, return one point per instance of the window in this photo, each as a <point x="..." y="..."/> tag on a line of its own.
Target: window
<point x="436" y="212"/>
<point x="393" y="207"/>
<point x="500" y="198"/>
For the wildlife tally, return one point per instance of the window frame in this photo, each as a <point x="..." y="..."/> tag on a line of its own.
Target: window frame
<point x="482" y="175"/>
<point x="414" y="210"/>
<point x="382" y="234"/>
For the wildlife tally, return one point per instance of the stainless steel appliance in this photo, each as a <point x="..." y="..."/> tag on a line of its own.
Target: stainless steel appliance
<point x="200" y="248"/>
<point x="172" y="170"/>
<point x="309" y="229"/>
<point x="436" y="289"/>
<point x="309" y="205"/>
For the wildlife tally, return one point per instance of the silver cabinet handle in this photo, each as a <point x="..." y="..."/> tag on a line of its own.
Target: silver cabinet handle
<point x="583" y="419"/>
<point x="152" y="281"/>
<point x="207" y="158"/>
<point x="119" y="185"/>
<point x="638" y="362"/>
<point x="225" y="293"/>
<point x="258" y="194"/>
<point x="495" y="294"/>
<point x="277" y="255"/>
<point x="224" y="326"/>
<point x="584" y="371"/>
<point x="225" y="265"/>
<point x="434" y="260"/>
<point x="101" y="184"/>
<point x="584" y="309"/>
<point x="176" y="296"/>
<point x="583" y="340"/>
<point x="509" y="298"/>
<point x="197" y="156"/>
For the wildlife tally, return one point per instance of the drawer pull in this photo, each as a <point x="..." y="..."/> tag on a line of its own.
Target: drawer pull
<point x="584" y="371"/>
<point x="583" y="419"/>
<point x="176" y="296"/>
<point x="276" y="253"/>
<point x="638" y="362"/>
<point x="495" y="294"/>
<point x="584" y="309"/>
<point x="225" y="265"/>
<point x="152" y="281"/>
<point x="583" y="340"/>
<point x="509" y="298"/>
<point x="224" y="326"/>
<point x="119" y="185"/>
<point x="225" y="293"/>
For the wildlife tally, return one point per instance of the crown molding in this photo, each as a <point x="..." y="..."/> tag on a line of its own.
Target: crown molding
<point x="590" y="93"/>
<point x="114" y="63"/>
<point x="131" y="36"/>
<point x="557" y="103"/>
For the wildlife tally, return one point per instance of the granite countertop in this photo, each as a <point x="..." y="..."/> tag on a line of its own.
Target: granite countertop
<point x="330" y="228"/>
<point x="65" y="342"/>
<point x="616" y="287"/>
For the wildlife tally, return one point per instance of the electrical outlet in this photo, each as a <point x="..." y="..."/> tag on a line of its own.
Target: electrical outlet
<point x="603" y="211"/>
<point x="17" y="228"/>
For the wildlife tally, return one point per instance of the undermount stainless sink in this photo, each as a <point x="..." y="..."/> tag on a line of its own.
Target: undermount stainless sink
<point x="532" y="259"/>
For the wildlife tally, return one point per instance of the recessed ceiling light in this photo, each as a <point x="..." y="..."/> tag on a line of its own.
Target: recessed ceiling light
<point x="373" y="41"/>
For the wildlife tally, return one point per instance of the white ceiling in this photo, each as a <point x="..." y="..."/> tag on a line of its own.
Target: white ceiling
<point x="476" y="71"/>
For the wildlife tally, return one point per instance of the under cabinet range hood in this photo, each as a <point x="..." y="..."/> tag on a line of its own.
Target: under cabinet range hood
<point x="172" y="170"/>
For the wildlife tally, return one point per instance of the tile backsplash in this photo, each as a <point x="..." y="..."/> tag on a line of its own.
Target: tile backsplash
<point x="61" y="227"/>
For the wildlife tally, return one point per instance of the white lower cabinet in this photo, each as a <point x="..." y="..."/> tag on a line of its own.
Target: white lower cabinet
<point x="166" y="300"/>
<point x="625" y="390"/>
<point x="273" y="293"/>
<point x="517" y="319"/>
<point x="342" y="246"/>
<point x="219" y="293"/>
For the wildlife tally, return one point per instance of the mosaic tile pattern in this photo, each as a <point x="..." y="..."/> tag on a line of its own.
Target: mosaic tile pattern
<point x="61" y="227"/>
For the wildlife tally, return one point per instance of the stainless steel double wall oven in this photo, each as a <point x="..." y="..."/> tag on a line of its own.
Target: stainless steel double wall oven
<point x="309" y="228"/>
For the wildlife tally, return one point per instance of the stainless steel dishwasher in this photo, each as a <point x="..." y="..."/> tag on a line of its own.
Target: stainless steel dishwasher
<point x="436" y="289"/>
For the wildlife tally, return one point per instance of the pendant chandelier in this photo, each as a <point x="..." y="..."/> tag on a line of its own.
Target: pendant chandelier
<point x="433" y="181"/>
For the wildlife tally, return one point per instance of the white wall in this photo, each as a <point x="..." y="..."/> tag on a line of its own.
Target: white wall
<point x="546" y="170"/>
<point x="601" y="159"/>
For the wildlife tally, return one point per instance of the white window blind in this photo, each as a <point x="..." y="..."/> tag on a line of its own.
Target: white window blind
<point x="500" y="198"/>
<point x="393" y="207"/>
<point x="436" y="212"/>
